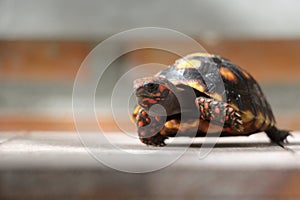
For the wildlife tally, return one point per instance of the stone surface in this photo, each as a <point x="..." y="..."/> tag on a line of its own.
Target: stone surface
<point x="57" y="165"/>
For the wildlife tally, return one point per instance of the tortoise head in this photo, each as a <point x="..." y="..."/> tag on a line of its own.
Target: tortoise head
<point x="155" y="90"/>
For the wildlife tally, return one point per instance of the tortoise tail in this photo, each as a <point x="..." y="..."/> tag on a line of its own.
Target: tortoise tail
<point x="278" y="136"/>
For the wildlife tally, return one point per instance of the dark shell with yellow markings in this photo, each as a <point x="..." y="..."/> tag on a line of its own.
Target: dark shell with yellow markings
<point x="209" y="73"/>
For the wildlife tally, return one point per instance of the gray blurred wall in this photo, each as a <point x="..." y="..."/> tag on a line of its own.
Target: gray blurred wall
<point x="93" y="19"/>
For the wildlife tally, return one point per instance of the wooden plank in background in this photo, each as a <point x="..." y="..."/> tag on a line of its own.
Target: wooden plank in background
<point x="41" y="60"/>
<point x="272" y="61"/>
<point x="267" y="60"/>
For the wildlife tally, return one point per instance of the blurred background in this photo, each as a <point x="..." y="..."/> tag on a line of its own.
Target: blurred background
<point x="43" y="43"/>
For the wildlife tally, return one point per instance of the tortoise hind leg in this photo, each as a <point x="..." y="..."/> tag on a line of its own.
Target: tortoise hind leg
<point x="277" y="136"/>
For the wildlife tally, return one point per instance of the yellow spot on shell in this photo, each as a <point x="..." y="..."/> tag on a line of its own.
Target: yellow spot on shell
<point x="228" y="74"/>
<point x="187" y="64"/>
<point x="200" y="54"/>
<point x="196" y="85"/>
<point x="246" y="74"/>
<point x="259" y="120"/>
<point x="267" y="123"/>
<point x="172" y="124"/>
<point x="217" y="96"/>
<point x="247" y="116"/>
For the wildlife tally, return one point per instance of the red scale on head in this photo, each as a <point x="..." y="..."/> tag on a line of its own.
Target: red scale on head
<point x="141" y="123"/>
<point x="151" y="90"/>
<point x="151" y="101"/>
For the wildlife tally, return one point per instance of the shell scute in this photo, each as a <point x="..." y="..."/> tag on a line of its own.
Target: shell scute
<point x="222" y="80"/>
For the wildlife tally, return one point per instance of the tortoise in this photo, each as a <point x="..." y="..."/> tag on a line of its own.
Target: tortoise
<point x="239" y="109"/>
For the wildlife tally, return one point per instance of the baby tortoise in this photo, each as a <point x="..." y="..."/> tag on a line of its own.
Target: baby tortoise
<point x="239" y="109"/>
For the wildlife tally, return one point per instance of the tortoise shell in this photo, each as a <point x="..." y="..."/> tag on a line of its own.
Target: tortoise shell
<point x="222" y="80"/>
<point x="220" y="87"/>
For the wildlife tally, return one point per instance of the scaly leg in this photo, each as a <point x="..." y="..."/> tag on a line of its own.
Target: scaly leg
<point x="219" y="113"/>
<point x="149" y="128"/>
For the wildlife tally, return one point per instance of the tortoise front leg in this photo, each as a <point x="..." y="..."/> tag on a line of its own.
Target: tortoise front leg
<point x="219" y="113"/>
<point x="149" y="128"/>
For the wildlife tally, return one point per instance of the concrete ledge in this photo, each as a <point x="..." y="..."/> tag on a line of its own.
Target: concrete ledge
<point x="56" y="165"/>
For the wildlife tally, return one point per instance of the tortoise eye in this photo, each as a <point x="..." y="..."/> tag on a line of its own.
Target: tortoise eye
<point x="151" y="87"/>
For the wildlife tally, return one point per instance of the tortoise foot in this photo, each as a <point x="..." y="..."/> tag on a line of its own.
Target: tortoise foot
<point x="219" y="113"/>
<point x="149" y="128"/>
<point x="156" y="140"/>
